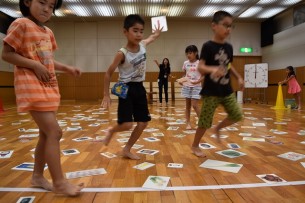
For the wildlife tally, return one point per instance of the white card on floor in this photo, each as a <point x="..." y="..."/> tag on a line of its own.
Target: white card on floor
<point x="206" y="146"/>
<point x="148" y="151"/>
<point x="70" y="151"/>
<point x="27" y="166"/>
<point x="293" y="156"/>
<point x="28" y="199"/>
<point x="156" y="182"/>
<point x="80" y="139"/>
<point x="174" y="165"/>
<point x="233" y="146"/>
<point x="83" y="173"/>
<point x="270" y="178"/>
<point x="230" y="153"/>
<point x="6" y="154"/>
<point x="221" y="165"/>
<point x="151" y="139"/>
<point x="108" y="155"/>
<point x="143" y="166"/>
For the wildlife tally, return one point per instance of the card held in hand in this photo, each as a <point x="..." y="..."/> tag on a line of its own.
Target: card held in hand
<point x="120" y="89"/>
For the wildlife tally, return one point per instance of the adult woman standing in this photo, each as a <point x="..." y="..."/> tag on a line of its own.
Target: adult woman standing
<point x="164" y="73"/>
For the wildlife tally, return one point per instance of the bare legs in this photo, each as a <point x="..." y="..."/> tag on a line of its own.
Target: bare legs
<point x="188" y="104"/>
<point x="48" y="151"/>
<point x="195" y="146"/>
<point x="136" y="133"/>
<point x="297" y="97"/>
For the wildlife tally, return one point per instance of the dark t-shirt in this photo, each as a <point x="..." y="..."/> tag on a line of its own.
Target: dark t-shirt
<point x="216" y="54"/>
<point x="164" y="72"/>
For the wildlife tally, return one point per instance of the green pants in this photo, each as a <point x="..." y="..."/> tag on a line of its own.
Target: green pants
<point x="210" y="103"/>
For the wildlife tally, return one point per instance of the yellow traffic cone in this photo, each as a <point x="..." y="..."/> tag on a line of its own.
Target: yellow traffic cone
<point x="279" y="99"/>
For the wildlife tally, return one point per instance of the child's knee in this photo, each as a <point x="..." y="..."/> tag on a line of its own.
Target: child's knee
<point x="142" y="125"/>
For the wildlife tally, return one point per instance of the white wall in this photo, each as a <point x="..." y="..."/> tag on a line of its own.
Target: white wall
<point x="3" y="65"/>
<point x="288" y="49"/>
<point x="91" y="46"/>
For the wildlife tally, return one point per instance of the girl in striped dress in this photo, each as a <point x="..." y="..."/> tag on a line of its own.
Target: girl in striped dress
<point x="29" y="45"/>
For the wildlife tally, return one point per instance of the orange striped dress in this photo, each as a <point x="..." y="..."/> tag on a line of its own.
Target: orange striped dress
<point x="36" y="43"/>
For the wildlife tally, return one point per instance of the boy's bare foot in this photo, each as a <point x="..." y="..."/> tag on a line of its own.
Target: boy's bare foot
<point x="41" y="182"/>
<point x="107" y="138"/>
<point x="129" y="155"/>
<point x="188" y="127"/>
<point x="67" y="188"/>
<point x="217" y="135"/>
<point x="197" y="151"/>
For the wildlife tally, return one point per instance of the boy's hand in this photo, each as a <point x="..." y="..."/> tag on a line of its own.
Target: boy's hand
<point x="106" y="102"/>
<point x="74" y="71"/>
<point x="241" y="84"/>
<point x="218" y="72"/>
<point x="157" y="29"/>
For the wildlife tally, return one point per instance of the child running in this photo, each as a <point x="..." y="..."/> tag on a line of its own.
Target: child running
<point x="216" y="64"/>
<point x="131" y="62"/>
<point x="29" y="45"/>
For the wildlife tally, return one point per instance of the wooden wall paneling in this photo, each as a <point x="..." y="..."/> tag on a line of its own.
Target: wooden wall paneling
<point x="300" y="72"/>
<point x="7" y="92"/>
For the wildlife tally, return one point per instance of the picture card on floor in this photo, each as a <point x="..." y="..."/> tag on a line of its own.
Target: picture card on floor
<point x="233" y="146"/>
<point x="220" y="136"/>
<point x="148" y="151"/>
<point x="83" y="173"/>
<point x="173" y="128"/>
<point x="255" y="139"/>
<point x="70" y="151"/>
<point x="156" y="182"/>
<point x="28" y="199"/>
<point x="158" y="134"/>
<point x="175" y="165"/>
<point x="245" y="134"/>
<point x="271" y="178"/>
<point x="80" y="139"/>
<point x="159" y="20"/>
<point x="221" y="165"/>
<point x="206" y="146"/>
<point x="151" y="139"/>
<point x="143" y="166"/>
<point x="6" y="154"/>
<point x="293" y="156"/>
<point x="74" y="128"/>
<point x="230" y="153"/>
<point x="135" y="146"/>
<point x="26" y="166"/>
<point x="108" y="155"/>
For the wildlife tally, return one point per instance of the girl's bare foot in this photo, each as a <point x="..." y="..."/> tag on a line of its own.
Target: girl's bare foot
<point x="41" y="182"/>
<point x="197" y="151"/>
<point x="129" y="155"/>
<point x="67" y="188"/>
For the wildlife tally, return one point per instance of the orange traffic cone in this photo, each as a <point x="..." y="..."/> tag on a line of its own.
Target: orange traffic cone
<point x="1" y="106"/>
<point x="279" y="99"/>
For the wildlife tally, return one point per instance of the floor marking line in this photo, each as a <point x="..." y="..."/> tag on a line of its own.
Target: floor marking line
<point x="140" y="189"/>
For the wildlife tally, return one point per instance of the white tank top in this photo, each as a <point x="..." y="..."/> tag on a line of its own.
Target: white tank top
<point x="134" y="67"/>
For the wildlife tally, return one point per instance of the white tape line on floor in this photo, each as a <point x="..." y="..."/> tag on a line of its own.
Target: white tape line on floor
<point x="184" y="188"/>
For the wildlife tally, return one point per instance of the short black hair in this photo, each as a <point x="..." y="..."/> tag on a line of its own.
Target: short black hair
<point x="193" y="49"/>
<point x="291" y="71"/>
<point x="25" y="10"/>
<point x="132" y="19"/>
<point x="220" y="15"/>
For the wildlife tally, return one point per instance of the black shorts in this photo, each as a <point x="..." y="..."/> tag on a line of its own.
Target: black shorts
<point x="134" y="108"/>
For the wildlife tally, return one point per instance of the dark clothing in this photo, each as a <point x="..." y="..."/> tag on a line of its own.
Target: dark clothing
<point x="161" y="84"/>
<point x="134" y="108"/>
<point x="164" y="72"/>
<point x="221" y="55"/>
<point x="163" y="81"/>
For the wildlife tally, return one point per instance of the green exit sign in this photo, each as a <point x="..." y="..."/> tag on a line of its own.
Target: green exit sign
<point x="246" y="50"/>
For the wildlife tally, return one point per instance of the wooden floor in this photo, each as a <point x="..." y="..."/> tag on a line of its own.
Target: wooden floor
<point x="188" y="184"/>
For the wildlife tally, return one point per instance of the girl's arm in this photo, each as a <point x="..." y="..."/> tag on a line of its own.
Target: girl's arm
<point x="66" y="68"/>
<point x="119" y="57"/>
<point x="9" y="55"/>
<point x="156" y="33"/>
<point x="287" y="79"/>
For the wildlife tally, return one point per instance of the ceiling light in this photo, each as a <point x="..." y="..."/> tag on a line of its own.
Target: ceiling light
<point x="270" y="12"/>
<point x="251" y="12"/>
